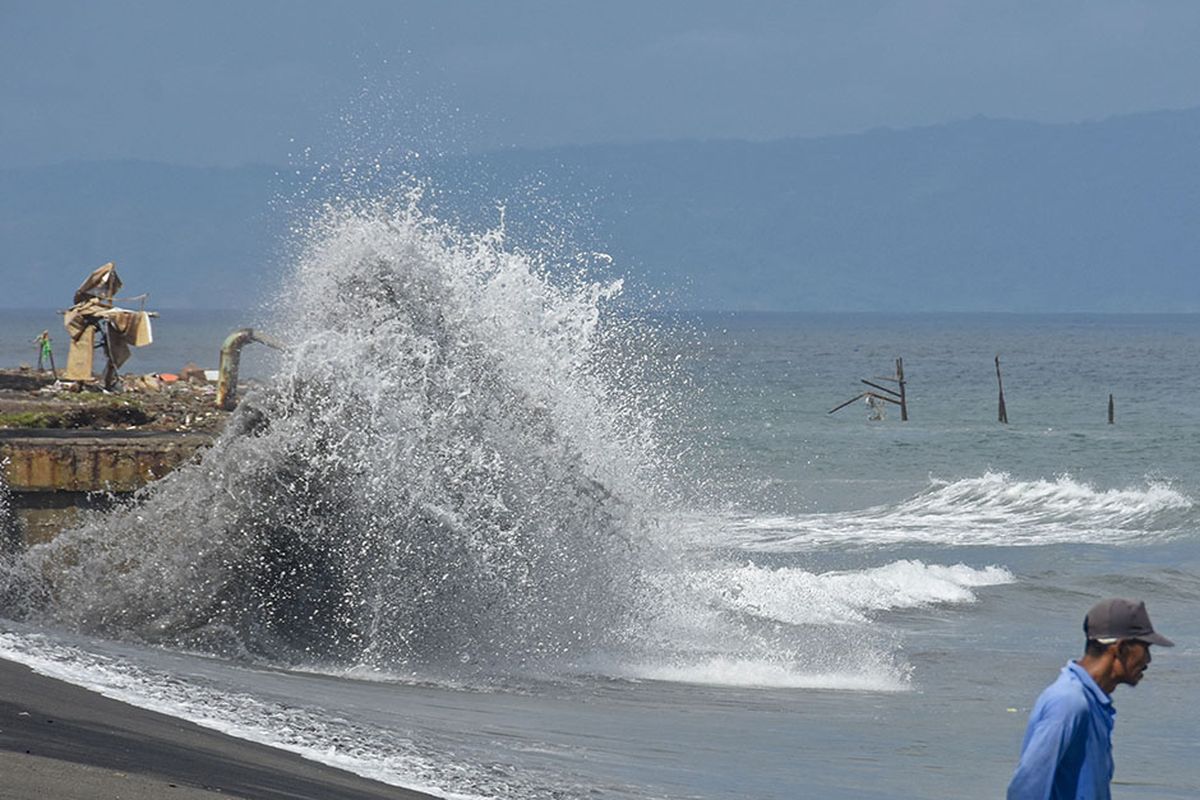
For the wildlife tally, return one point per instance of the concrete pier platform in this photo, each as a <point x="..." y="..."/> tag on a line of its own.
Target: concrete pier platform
<point x="55" y="460"/>
<point x="50" y="473"/>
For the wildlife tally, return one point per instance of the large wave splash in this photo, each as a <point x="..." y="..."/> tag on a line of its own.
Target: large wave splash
<point x="441" y="472"/>
<point x="992" y="509"/>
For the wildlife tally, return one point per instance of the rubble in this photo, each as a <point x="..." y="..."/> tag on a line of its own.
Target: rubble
<point x="139" y="403"/>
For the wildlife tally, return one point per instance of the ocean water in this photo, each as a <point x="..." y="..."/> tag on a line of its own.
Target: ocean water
<point x="487" y="532"/>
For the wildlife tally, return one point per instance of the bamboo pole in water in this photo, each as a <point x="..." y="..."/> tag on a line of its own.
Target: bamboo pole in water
<point x="848" y="402"/>
<point x="1110" y="409"/>
<point x="1000" y="382"/>
<point x="892" y="392"/>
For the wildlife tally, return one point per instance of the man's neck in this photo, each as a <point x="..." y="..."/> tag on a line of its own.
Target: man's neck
<point x="1101" y="670"/>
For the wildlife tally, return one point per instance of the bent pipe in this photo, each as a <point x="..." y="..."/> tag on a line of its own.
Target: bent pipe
<point x="231" y="353"/>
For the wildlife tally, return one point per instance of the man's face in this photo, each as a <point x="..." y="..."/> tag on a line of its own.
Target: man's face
<point x="1133" y="657"/>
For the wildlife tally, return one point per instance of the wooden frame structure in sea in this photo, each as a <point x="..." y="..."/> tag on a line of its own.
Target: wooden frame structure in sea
<point x="882" y="394"/>
<point x="877" y="395"/>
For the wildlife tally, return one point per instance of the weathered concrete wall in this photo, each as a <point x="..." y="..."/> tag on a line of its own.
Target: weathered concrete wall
<point x="53" y="473"/>
<point x="92" y="461"/>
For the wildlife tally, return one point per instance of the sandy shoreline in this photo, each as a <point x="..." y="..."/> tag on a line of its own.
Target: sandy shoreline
<point x="60" y="741"/>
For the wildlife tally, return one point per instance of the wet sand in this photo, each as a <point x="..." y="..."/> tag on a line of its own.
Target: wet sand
<point x="63" y="742"/>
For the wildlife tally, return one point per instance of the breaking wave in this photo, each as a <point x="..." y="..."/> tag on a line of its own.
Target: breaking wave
<point x="759" y="626"/>
<point x="458" y="470"/>
<point x="993" y="509"/>
<point x="798" y="597"/>
<point x="443" y="470"/>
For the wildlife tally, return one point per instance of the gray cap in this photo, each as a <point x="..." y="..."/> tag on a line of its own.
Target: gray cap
<point x="1118" y="618"/>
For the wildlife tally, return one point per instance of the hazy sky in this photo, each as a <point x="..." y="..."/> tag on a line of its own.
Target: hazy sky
<point x="222" y="83"/>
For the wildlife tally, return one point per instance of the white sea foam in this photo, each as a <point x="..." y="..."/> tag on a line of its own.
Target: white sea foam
<point x="750" y="673"/>
<point x="786" y="627"/>
<point x="993" y="509"/>
<point x="386" y="756"/>
<point x="798" y="597"/>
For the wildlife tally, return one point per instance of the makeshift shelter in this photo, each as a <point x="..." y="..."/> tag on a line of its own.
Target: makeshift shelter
<point x="95" y="323"/>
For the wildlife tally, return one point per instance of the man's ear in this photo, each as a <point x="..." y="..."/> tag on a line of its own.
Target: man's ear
<point x="1123" y="647"/>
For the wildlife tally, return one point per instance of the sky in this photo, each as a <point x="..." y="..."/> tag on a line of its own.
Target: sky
<point x="221" y="83"/>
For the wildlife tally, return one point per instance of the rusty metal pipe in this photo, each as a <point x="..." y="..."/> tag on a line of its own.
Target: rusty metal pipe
<point x="231" y="353"/>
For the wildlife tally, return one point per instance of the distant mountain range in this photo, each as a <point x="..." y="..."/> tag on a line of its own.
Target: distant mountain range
<point x="980" y="215"/>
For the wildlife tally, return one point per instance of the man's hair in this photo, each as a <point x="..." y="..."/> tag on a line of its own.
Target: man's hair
<point x="1095" y="647"/>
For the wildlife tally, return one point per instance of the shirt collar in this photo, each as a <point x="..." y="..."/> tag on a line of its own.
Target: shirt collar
<point x="1090" y="684"/>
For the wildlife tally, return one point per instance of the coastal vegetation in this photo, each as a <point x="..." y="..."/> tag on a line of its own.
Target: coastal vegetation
<point x="88" y="410"/>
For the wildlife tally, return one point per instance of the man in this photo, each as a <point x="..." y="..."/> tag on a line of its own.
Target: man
<point x="1067" y="751"/>
<point x="45" y="351"/>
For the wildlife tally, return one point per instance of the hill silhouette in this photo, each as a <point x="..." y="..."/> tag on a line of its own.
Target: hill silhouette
<point x="979" y="215"/>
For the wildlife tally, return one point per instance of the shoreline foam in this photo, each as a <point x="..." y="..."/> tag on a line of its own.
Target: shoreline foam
<point x="60" y="740"/>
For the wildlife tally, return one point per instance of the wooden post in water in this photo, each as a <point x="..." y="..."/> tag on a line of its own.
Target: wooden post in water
<point x="884" y="394"/>
<point x="1000" y="382"/>
<point x="1110" y="409"/>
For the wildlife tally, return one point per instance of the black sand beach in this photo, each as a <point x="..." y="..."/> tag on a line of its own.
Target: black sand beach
<point x="63" y="742"/>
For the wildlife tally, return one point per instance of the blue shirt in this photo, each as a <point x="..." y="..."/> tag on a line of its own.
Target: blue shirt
<point x="1067" y="751"/>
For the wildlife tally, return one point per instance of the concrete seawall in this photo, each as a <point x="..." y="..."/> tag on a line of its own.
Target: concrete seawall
<point x="52" y="473"/>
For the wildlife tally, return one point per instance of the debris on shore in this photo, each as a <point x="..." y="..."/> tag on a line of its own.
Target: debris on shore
<point x="154" y="402"/>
